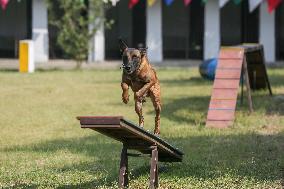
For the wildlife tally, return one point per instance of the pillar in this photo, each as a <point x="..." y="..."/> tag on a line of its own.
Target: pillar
<point x="267" y="33"/>
<point x="40" y="30"/>
<point x="97" y="43"/>
<point x="211" y="29"/>
<point x="154" y="38"/>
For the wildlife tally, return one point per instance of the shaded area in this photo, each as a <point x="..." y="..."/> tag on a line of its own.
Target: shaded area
<point x="9" y="70"/>
<point x="28" y="186"/>
<point x="275" y="77"/>
<point x="192" y="81"/>
<point x="248" y="156"/>
<point x="193" y="110"/>
<point x="103" y="154"/>
<point x="185" y="110"/>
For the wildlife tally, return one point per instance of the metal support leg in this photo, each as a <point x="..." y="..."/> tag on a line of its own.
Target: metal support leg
<point x="123" y="171"/>
<point x="154" y="182"/>
<point x="247" y="85"/>
<point x="242" y="82"/>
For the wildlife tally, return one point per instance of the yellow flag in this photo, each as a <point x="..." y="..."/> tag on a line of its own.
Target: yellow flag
<point x="151" y="2"/>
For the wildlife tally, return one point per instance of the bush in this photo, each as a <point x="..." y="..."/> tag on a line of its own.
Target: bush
<point x="72" y="19"/>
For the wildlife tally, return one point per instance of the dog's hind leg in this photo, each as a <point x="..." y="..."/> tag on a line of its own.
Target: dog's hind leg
<point x="158" y="106"/>
<point x="138" y="110"/>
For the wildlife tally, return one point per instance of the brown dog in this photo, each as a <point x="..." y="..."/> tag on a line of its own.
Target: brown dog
<point x="142" y="78"/>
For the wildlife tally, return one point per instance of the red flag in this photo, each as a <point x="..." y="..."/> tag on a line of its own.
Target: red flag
<point x="132" y="3"/>
<point x="4" y="3"/>
<point x="273" y="4"/>
<point x="187" y="2"/>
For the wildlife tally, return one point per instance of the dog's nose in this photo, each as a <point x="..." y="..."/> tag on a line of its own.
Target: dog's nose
<point x="127" y="67"/>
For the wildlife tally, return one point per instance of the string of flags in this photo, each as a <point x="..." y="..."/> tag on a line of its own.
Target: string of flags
<point x="253" y="4"/>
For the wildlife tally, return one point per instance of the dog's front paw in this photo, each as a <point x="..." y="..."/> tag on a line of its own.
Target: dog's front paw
<point x="125" y="99"/>
<point x="138" y="95"/>
<point x="141" y="98"/>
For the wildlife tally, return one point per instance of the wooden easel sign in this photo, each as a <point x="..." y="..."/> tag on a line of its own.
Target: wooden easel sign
<point x="245" y="61"/>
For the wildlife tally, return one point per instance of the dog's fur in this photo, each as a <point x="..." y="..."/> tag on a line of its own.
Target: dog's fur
<point x="142" y="78"/>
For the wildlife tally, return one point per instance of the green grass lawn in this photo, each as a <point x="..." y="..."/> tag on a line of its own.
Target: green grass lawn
<point x="43" y="146"/>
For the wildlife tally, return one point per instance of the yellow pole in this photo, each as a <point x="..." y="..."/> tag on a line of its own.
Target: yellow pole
<point x="24" y="57"/>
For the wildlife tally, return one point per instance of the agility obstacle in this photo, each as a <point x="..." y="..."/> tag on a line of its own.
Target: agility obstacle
<point x="133" y="138"/>
<point x="238" y="64"/>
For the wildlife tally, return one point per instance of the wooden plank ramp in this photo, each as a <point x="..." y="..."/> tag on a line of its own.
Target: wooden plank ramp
<point x="246" y="61"/>
<point x="221" y="112"/>
<point x="136" y="138"/>
<point x="131" y="135"/>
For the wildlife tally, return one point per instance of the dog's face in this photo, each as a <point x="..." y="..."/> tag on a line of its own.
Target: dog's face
<point x="131" y="57"/>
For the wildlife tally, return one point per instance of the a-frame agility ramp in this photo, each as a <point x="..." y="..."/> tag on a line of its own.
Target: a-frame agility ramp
<point x="238" y="64"/>
<point x="133" y="138"/>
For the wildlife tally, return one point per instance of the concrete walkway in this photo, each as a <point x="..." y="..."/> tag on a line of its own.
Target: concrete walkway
<point x="13" y="64"/>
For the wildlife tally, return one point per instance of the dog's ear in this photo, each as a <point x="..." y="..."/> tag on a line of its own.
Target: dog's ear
<point x="122" y="45"/>
<point x="143" y="51"/>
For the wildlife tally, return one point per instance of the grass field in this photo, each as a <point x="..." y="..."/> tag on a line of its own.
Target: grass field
<point x="43" y="146"/>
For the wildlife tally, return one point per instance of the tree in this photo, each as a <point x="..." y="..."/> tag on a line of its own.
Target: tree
<point x="72" y="19"/>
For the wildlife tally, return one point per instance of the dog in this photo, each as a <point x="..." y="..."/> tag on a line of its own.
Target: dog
<point x="141" y="77"/>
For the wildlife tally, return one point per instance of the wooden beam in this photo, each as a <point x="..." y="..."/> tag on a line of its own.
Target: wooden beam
<point x="123" y="170"/>
<point x="154" y="182"/>
<point x="247" y="84"/>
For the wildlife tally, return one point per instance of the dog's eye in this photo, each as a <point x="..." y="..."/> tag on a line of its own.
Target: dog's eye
<point x="135" y="57"/>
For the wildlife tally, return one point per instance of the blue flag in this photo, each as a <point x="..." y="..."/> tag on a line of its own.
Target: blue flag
<point x="169" y="2"/>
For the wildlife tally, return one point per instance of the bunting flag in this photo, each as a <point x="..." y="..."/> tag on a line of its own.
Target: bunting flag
<point x="113" y="2"/>
<point x="204" y="1"/>
<point x="151" y="2"/>
<point x="222" y="3"/>
<point x="187" y="2"/>
<point x="132" y="3"/>
<point x="169" y="2"/>
<point x="4" y="4"/>
<point x="253" y="4"/>
<point x="273" y="4"/>
<point x="237" y="1"/>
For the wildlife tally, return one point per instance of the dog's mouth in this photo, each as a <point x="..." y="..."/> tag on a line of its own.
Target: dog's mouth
<point x="127" y="69"/>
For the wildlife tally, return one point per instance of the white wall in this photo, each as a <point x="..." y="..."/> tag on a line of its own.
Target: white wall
<point x="267" y="33"/>
<point x="40" y="31"/>
<point x="211" y="29"/>
<point x="154" y="32"/>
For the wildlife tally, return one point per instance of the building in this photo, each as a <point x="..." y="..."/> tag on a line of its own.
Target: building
<point x="25" y="19"/>
<point x="170" y="32"/>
